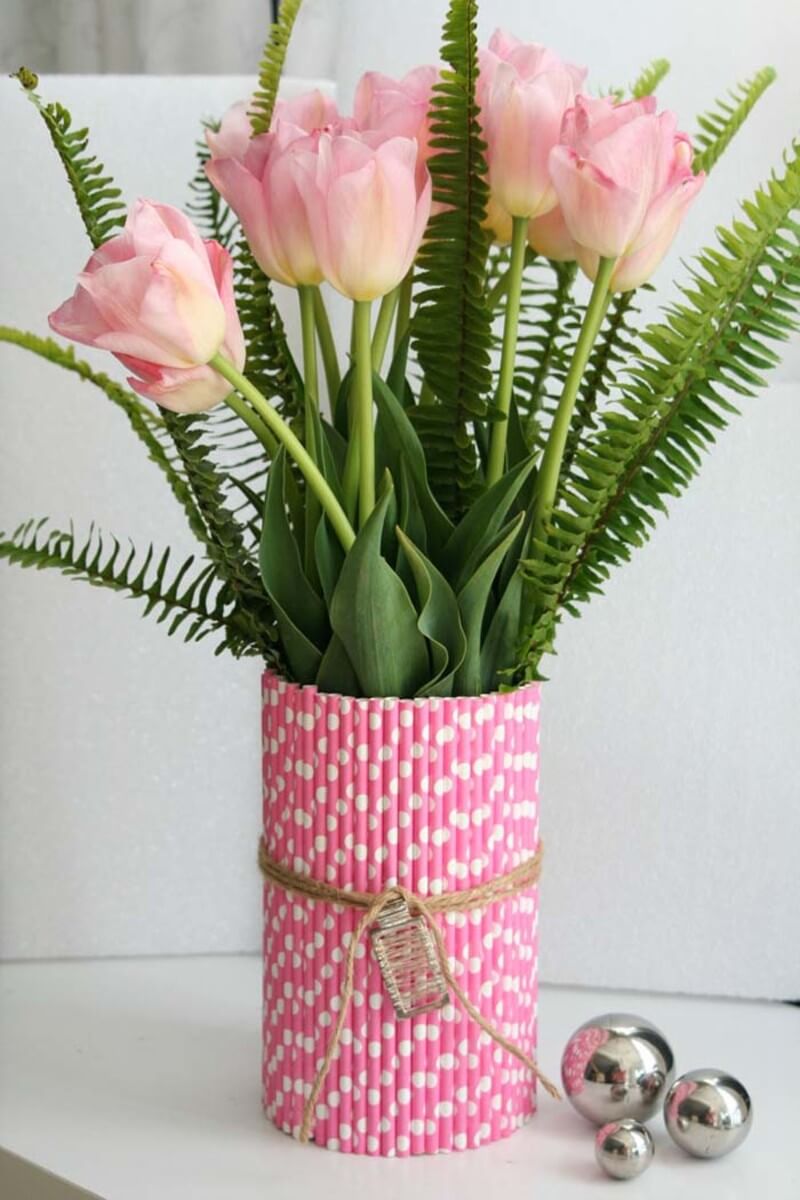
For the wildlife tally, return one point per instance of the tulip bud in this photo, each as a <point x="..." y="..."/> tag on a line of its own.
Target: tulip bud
<point x="365" y="210"/>
<point x="624" y="182"/>
<point x="161" y="300"/>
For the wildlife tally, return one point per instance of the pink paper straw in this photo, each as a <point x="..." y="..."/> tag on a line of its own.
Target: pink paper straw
<point x="439" y="1125"/>
<point x="396" y="1130"/>
<point x="415" y="1029"/>
<point x="333" y="920"/>
<point x="309" y="908"/>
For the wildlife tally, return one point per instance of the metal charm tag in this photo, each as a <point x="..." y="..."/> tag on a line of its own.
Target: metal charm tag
<point x="407" y="956"/>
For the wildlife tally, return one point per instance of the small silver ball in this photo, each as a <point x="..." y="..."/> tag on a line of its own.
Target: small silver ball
<point x="708" y="1113"/>
<point x="617" y="1065"/>
<point x="624" y="1148"/>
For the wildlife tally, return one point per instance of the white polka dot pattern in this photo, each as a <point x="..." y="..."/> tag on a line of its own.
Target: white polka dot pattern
<point x="438" y="795"/>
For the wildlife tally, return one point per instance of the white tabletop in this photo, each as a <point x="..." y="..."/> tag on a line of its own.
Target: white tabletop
<point x="138" y="1079"/>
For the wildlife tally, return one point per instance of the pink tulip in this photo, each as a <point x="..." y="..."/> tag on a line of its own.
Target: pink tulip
<point x="498" y="222"/>
<point x="261" y="190"/>
<point x="529" y="59"/>
<point x="233" y="136"/>
<point x="548" y="235"/>
<point x="624" y="182"/>
<point x="397" y="108"/>
<point x="161" y="299"/>
<point x="254" y="176"/>
<point x="308" y="112"/>
<point x="524" y="89"/>
<point x="366" y="212"/>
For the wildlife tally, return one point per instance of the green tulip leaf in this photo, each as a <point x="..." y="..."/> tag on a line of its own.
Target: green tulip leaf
<point x="340" y="406"/>
<point x="374" y="618"/>
<point x="472" y="603"/>
<point x="306" y="633"/>
<point x="329" y="556"/>
<point x="439" y="620"/>
<point x="336" y="672"/>
<point x="396" y="378"/>
<point x="469" y="542"/>
<point x="398" y="442"/>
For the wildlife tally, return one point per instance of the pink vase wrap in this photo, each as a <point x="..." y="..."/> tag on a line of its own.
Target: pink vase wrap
<point x="437" y="795"/>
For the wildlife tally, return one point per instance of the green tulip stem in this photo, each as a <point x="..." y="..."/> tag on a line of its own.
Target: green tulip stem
<point x="363" y="427"/>
<point x="294" y="448"/>
<point x="383" y="326"/>
<point x="499" y="436"/>
<point x="550" y="469"/>
<point x="253" y="420"/>
<point x="403" y="308"/>
<point x="327" y="347"/>
<point x="308" y="326"/>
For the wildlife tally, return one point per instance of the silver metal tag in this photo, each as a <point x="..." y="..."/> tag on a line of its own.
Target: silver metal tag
<point x="407" y="956"/>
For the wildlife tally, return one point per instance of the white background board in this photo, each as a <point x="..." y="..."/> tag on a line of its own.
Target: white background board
<point x="129" y="764"/>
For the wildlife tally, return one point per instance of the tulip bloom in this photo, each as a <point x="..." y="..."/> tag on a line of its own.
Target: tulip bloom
<point x="624" y="181"/>
<point x="397" y="108"/>
<point x="261" y="190"/>
<point x="365" y="209"/>
<point x="160" y="299"/>
<point x="524" y="90"/>
<point x="254" y="177"/>
<point x="309" y="112"/>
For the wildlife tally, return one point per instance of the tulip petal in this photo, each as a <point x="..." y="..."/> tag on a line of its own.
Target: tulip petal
<point x="548" y="235"/>
<point x="192" y="390"/>
<point x="598" y="213"/>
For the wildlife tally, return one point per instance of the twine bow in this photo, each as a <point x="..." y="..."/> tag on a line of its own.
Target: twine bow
<point x="372" y="905"/>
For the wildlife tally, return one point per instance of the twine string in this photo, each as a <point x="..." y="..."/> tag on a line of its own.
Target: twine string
<point x="372" y="904"/>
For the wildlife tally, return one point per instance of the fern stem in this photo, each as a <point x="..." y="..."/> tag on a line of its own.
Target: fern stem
<point x="363" y="409"/>
<point x="497" y="445"/>
<point x="294" y="447"/>
<point x="327" y="347"/>
<point x="403" y="317"/>
<point x="547" y="482"/>
<point x="311" y="418"/>
<point x="383" y="325"/>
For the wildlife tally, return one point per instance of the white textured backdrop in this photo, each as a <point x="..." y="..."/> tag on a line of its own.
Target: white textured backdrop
<point x="129" y="764"/>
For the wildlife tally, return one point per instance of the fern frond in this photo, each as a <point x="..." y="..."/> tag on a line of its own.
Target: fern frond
<point x="650" y="78"/>
<point x="224" y="538"/>
<point x="743" y="294"/>
<point x="147" y="425"/>
<point x="271" y="66"/>
<point x="208" y="210"/>
<point x="192" y="600"/>
<point x="97" y="197"/>
<point x="719" y="125"/>
<point x="270" y="365"/>
<point x="451" y="329"/>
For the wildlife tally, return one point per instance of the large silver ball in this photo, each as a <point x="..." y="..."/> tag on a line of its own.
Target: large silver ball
<point x="624" y="1148"/>
<point x="616" y="1066"/>
<point x="708" y="1113"/>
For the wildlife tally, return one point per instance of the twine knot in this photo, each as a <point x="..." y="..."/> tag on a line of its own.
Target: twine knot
<point x="372" y="904"/>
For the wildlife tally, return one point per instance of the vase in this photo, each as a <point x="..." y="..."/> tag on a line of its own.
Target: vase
<point x="435" y="795"/>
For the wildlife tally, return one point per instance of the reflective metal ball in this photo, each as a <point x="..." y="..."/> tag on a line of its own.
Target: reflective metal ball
<point x="617" y="1065"/>
<point x="624" y="1148"/>
<point x="708" y="1113"/>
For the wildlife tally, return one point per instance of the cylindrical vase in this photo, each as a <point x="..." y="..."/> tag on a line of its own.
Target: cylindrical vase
<point x="435" y="795"/>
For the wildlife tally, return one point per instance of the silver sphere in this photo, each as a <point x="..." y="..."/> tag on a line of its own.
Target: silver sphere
<point x="617" y="1065"/>
<point x="708" y="1113"/>
<point x="624" y="1148"/>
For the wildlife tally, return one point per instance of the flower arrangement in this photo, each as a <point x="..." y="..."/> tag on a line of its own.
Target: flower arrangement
<point x="494" y="443"/>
